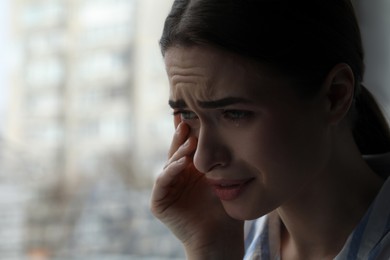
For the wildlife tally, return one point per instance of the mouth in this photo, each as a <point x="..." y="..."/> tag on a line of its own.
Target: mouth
<point x="228" y="190"/>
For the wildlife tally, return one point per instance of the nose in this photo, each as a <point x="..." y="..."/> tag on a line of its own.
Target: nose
<point x="212" y="151"/>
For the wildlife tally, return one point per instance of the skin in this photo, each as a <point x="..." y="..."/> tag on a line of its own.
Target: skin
<point x="296" y="154"/>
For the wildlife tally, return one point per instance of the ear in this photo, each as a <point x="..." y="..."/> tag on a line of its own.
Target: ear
<point x="339" y="86"/>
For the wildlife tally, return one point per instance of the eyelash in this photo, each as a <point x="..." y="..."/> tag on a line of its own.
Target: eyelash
<point x="236" y="115"/>
<point x="185" y="113"/>
<point x="232" y="114"/>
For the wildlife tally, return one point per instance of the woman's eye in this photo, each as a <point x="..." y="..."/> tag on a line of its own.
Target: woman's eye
<point x="236" y="114"/>
<point x="186" y="115"/>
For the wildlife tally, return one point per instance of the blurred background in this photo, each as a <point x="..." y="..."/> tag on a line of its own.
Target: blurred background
<point x="85" y="126"/>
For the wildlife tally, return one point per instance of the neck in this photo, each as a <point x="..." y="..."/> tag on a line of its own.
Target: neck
<point x="318" y="220"/>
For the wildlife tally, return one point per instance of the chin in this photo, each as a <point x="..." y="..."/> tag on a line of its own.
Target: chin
<point x="243" y="213"/>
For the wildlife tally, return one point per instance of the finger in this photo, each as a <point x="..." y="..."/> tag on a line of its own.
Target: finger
<point x="181" y="134"/>
<point x="164" y="181"/>
<point x="185" y="150"/>
<point x="177" y="120"/>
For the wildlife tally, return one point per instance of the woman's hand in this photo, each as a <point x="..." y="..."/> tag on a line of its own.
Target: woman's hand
<point x="185" y="203"/>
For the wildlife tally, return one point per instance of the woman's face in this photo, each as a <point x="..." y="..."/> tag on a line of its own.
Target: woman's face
<point x="259" y="142"/>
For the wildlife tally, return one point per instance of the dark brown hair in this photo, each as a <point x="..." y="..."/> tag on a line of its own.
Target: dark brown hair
<point x="303" y="39"/>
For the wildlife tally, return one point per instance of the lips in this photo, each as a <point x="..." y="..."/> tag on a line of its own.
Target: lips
<point x="228" y="190"/>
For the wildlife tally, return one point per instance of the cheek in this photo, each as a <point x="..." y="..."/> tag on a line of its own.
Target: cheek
<point x="281" y="148"/>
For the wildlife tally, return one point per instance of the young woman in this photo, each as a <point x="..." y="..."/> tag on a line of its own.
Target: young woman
<point x="272" y="122"/>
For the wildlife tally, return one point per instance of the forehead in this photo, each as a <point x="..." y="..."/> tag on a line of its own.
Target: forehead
<point x="208" y="72"/>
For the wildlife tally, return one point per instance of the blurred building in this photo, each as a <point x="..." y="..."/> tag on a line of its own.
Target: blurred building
<point x="87" y="102"/>
<point x="87" y="84"/>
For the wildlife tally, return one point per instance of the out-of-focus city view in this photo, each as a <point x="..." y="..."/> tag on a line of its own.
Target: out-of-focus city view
<point x="85" y="126"/>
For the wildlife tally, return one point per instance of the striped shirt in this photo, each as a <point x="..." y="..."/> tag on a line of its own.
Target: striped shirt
<point x="370" y="240"/>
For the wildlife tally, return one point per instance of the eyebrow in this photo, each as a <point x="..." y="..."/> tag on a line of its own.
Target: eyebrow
<point x="177" y="104"/>
<point x="211" y="104"/>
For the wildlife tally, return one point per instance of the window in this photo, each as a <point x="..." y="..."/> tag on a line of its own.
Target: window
<point x="84" y="147"/>
<point x="42" y="14"/>
<point x="44" y="72"/>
